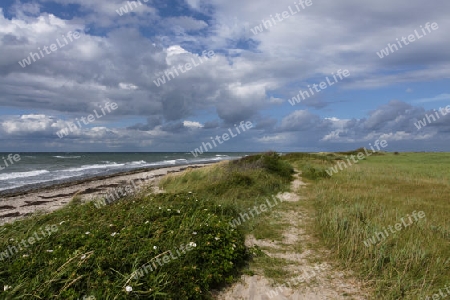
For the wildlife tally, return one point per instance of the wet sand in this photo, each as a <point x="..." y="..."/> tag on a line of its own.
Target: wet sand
<point x="19" y="204"/>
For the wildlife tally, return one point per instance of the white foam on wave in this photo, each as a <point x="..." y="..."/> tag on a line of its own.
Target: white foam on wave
<point x="211" y="159"/>
<point x="140" y="162"/>
<point x="22" y="174"/>
<point x="96" y="166"/>
<point x="167" y="162"/>
<point x="58" y="156"/>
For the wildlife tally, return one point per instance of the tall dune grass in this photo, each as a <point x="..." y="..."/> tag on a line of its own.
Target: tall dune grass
<point x="363" y="200"/>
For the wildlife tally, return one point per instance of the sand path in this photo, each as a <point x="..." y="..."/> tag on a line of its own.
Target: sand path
<point x="311" y="274"/>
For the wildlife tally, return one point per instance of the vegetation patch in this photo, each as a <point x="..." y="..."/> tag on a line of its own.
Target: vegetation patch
<point x="362" y="202"/>
<point x="177" y="245"/>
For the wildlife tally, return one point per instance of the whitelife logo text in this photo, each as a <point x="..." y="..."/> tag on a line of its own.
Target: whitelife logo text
<point x="431" y="118"/>
<point x="266" y="24"/>
<point x="382" y="235"/>
<point x="225" y="137"/>
<point x="323" y="85"/>
<point x="53" y="48"/>
<point x="391" y="48"/>
<point x="86" y="121"/>
<point x="173" y="72"/>
<point x="359" y="156"/>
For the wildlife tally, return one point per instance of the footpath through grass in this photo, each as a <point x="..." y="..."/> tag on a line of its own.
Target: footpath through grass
<point x="177" y="245"/>
<point x="370" y="215"/>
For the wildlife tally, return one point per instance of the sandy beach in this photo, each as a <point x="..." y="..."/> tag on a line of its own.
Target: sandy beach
<point x="17" y="205"/>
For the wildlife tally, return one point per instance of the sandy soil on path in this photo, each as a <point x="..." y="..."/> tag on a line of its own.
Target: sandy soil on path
<point x="307" y="280"/>
<point x="52" y="198"/>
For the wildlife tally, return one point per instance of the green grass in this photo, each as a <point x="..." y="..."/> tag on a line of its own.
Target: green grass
<point x="350" y="207"/>
<point x="357" y="202"/>
<point x="98" y="252"/>
<point x="239" y="185"/>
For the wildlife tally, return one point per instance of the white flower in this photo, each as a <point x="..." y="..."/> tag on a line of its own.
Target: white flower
<point x="11" y="240"/>
<point x="111" y="225"/>
<point x="190" y="192"/>
<point x="128" y="288"/>
<point x="178" y="211"/>
<point x="50" y="251"/>
<point x="87" y="232"/>
<point x="160" y="207"/>
<point x="146" y="222"/>
<point x="195" y="232"/>
<point x="154" y="247"/>
<point x="62" y="222"/>
<point x="192" y="244"/>
<point x="25" y="255"/>
<point x="217" y="238"/>
<point x="6" y="287"/>
<point x="168" y="209"/>
<point x="114" y="233"/>
<point x="83" y="256"/>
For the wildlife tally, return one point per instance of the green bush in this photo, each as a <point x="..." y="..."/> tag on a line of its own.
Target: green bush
<point x="314" y="173"/>
<point x="102" y="263"/>
<point x="271" y="162"/>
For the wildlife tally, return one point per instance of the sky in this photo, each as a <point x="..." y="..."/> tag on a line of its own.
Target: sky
<point x="310" y="75"/>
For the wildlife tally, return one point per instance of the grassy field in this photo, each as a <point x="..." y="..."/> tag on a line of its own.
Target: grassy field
<point x="359" y="203"/>
<point x="386" y="218"/>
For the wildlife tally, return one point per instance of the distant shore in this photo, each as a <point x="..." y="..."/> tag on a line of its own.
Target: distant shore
<point x="19" y="203"/>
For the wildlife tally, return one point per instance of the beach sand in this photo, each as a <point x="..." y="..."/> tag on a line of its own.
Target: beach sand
<point x="17" y="205"/>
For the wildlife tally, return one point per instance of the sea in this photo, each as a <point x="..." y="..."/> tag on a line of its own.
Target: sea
<point x="35" y="170"/>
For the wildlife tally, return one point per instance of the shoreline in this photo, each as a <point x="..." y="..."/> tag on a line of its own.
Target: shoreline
<point x="43" y="186"/>
<point x="15" y="205"/>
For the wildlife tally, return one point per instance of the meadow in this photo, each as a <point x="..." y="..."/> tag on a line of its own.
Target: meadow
<point x="385" y="218"/>
<point x="361" y="202"/>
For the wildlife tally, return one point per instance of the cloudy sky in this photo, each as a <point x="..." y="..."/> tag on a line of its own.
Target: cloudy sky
<point x="113" y="51"/>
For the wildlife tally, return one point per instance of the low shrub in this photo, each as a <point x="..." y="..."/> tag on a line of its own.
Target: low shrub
<point x="99" y="252"/>
<point x="314" y="173"/>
